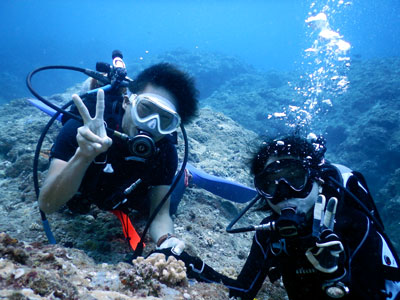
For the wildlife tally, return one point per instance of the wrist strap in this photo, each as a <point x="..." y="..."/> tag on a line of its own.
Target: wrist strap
<point x="163" y="238"/>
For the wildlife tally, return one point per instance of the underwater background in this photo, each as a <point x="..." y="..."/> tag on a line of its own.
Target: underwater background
<point x="331" y="67"/>
<point x="270" y="35"/>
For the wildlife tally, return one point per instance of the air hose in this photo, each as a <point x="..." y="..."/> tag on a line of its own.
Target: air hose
<point x="139" y="248"/>
<point x="62" y="110"/>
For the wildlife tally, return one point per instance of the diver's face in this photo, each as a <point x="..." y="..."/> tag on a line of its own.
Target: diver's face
<point x="129" y="126"/>
<point x="280" y="201"/>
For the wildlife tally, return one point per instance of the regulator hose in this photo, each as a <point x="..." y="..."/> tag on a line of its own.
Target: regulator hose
<point x="139" y="247"/>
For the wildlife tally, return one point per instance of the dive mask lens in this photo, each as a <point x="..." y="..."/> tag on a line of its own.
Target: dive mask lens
<point x="290" y="172"/>
<point x="154" y="107"/>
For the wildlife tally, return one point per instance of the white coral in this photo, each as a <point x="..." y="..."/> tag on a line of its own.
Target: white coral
<point x="171" y="271"/>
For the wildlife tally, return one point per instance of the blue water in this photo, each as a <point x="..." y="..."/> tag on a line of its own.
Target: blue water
<point x="268" y="34"/>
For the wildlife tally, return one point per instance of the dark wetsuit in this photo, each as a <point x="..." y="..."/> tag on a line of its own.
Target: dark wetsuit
<point x="367" y="267"/>
<point x="111" y="173"/>
<point x="361" y="267"/>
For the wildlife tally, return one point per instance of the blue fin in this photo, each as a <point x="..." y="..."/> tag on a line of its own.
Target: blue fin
<point x="43" y="107"/>
<point x="224" y="188"/>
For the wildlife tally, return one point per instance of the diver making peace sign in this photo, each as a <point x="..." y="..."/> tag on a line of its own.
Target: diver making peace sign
<point x="89" y="167"/>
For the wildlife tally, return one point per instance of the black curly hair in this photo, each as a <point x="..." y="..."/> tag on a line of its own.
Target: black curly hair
<point x="311" y="152"/>
<point x="178" y="83"/>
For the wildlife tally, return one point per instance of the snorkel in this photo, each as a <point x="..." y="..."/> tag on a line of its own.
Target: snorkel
<point x="113" y="77"/>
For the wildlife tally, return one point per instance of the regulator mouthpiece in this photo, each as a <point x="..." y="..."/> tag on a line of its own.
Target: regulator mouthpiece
<point x="142" y="146"/>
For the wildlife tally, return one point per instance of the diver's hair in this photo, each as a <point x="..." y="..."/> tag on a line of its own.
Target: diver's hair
<point x="178" y="83"/>
<point x="311" y="152"/>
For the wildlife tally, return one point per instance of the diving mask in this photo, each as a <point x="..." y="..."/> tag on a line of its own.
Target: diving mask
<point x="284" y="179"/>
<point x="154" y="114"/>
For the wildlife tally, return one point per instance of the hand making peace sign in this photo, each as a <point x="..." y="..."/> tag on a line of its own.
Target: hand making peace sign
<point x="324" y="256"/>
<point x="92" y="136"/>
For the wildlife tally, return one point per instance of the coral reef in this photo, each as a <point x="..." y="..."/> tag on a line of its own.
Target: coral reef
<point x="149" y="272"/>
<point x="37" y="271"/>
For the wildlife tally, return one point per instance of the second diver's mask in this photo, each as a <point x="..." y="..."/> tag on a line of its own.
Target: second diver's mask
<point x="154" y="116"/>
<point x="287" y="183"/>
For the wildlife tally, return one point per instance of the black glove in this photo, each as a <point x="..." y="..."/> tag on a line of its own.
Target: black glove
<point x="324" y="256"/>
<point x="195" y="267"/>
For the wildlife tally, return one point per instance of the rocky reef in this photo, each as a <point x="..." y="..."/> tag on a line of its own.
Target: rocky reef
<point x="94" y="242"/>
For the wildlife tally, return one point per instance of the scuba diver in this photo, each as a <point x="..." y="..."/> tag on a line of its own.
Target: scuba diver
<point x="89" y="167"/>
<point x="163" y="96"/>
<point x="323" y="235"/>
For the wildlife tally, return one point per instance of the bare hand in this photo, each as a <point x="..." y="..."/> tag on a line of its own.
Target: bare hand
<point x="92" y="136"/>
<point x="175" y="244"/>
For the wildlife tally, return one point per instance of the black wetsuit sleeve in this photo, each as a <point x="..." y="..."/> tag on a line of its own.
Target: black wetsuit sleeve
<point x="255" y="270"/>
<point x="250" y="278"/>
<point x="248" y="282"/>
<point x="65" y="146"/>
